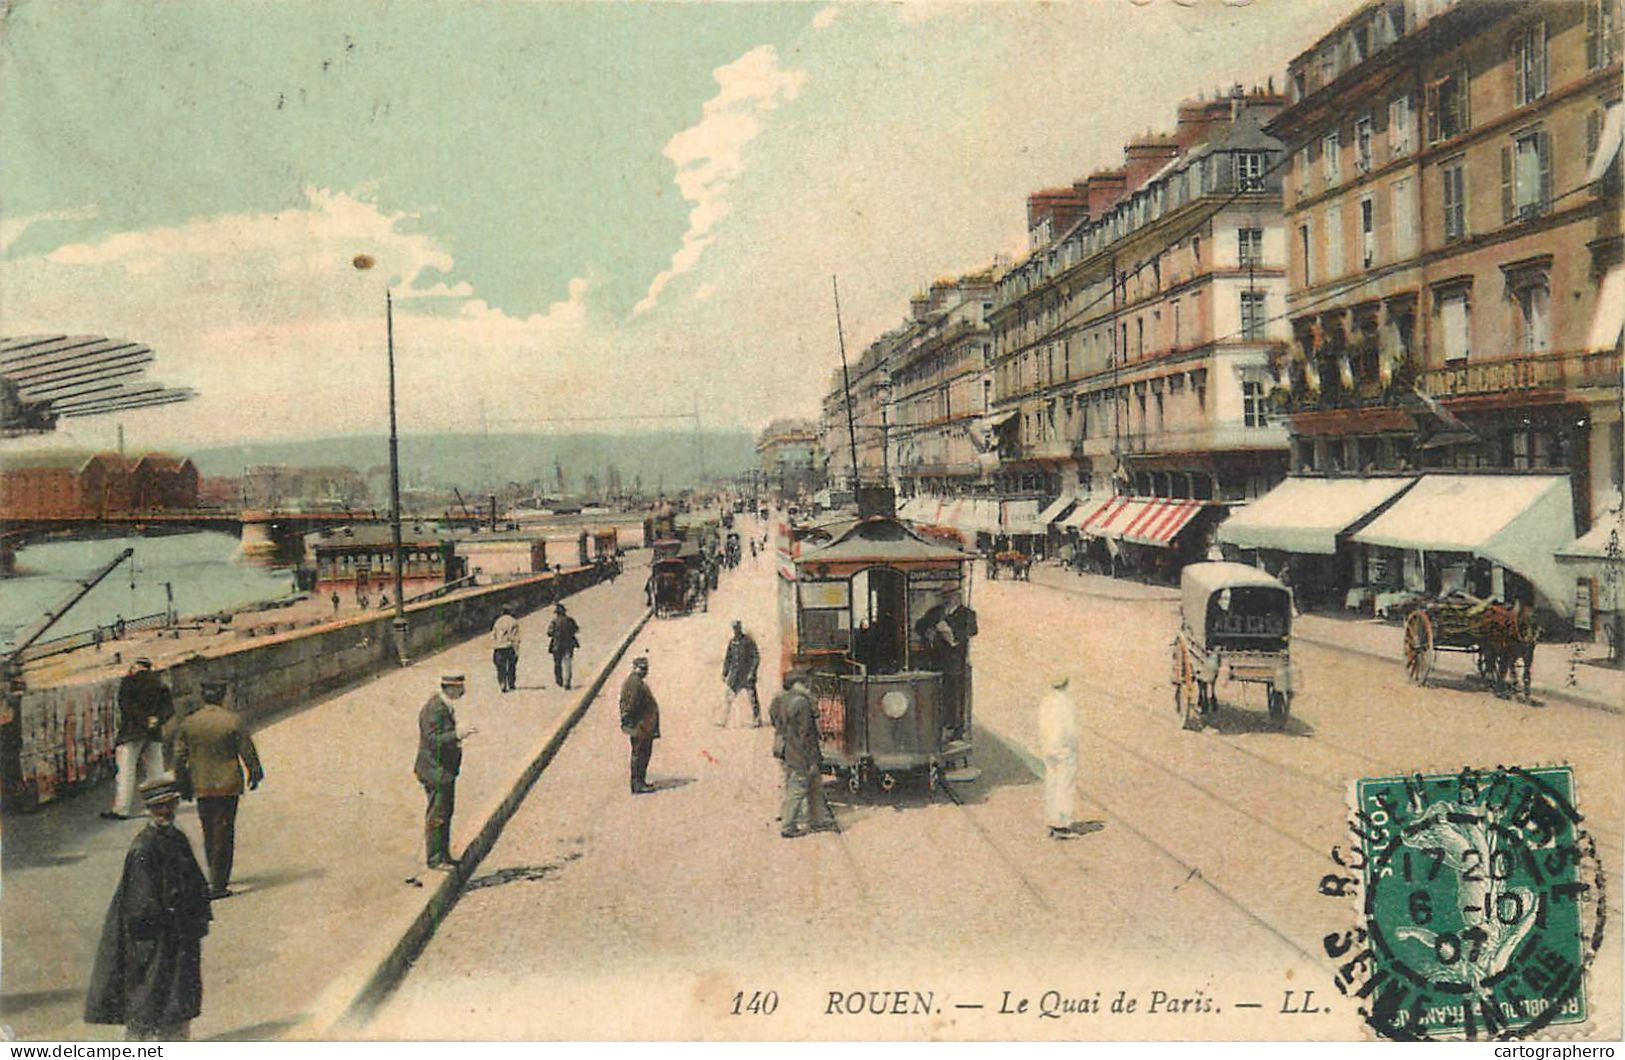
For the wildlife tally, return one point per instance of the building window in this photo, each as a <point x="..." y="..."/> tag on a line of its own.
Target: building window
<point x="1454" y="175"/>
<point x="1526" y="176"/>
<point x="1176" y="324"/>
<point x="1448" y="112"/>
<point x="1454" y="324"/>
<point x="1368" y="231"/>
<point x="1250" y="168"/>
<point x="1401" y="126"/>
<point x="1334" y="242"/>
<point x="1139" y="337"/>
<point x="1308" y="262"/>
<point x="1254" y="409"/>
<point x="1362" y="145"/>
<point x="1529" y="64"/>
<point x="1602" y="42"/>
<point x="1534" y="317"/>
<point x="1250" y="246"/>
<point x="1252" y="315"/>
<point x="1331" y="163"/>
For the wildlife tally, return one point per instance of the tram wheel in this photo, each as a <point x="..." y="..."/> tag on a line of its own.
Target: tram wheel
<point x="854" y="783"/>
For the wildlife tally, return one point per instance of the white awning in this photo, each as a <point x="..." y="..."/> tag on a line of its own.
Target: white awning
<point x="1518" y="521"/>
<point x="1609" y="316"/>
<point x="1593" y="544"/>
<point x="1607" y="146"/>
<point x="1306" y="514"/>
<point x="1021" y="517"/>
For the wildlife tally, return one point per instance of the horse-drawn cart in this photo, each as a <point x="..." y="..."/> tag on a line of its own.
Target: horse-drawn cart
<point x="1502" y="636"/>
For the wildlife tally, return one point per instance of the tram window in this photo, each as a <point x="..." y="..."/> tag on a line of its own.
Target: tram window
<point x="822" y="629"/>
<point x="879" y="619"/>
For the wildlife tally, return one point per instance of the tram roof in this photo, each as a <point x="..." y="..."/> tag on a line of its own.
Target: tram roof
<point x="879" y="539"/>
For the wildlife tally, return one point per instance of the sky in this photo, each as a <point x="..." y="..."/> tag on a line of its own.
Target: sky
<point x="580" y="210"/>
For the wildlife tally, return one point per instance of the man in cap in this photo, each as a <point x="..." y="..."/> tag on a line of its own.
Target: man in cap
<point x="739" y="665"/>
<point x="640" y="720"/>
<point x="440" y="758"/>
<point x="796" y="742"/>
<point x="561" y="644"/>
<point x="947" y="629"/>
<point x="148" y="969"/>
<point x="144" y="705"/>
<point x="1058" y="743"/>
<point x="505" y="649"/>
<point x="212" y="751"/>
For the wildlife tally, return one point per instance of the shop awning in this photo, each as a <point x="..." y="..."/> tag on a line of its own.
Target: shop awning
<point x="1160" y="521"/>
<point x="1307" y="514"/>
<point x="978" y="516"/>
<point x="1609" y="316"/>
<point x="1022" y="517"/>
<point x="1517" y="521"/>
<point x="1593" y="544"/>
<point x="1057" y="508"/>
<point x="1086" y="510"/>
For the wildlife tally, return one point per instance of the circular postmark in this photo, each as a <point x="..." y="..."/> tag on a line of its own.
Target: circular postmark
<point x="1480" y="904"/>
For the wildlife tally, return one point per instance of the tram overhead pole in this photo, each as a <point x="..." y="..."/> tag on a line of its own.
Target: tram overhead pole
<point x="846" y="387"/>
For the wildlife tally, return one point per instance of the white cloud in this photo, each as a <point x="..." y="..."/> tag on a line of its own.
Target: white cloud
<point x="709" y="155"/>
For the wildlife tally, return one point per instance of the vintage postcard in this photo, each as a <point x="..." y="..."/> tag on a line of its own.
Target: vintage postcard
<point x="811" y="521"/>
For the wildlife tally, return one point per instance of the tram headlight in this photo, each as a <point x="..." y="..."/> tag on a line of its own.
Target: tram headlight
<point x="894" y="704"/>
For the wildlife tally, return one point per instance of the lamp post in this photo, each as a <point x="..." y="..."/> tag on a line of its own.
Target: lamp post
<point x="364" y="262"/>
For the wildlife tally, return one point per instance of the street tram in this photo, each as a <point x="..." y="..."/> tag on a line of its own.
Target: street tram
<point x="858" y="603"/>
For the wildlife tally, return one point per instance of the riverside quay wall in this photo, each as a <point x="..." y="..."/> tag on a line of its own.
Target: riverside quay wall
<point x="59" y="738"/>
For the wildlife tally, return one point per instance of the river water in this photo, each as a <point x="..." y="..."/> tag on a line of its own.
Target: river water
<point x="203" y="569"/>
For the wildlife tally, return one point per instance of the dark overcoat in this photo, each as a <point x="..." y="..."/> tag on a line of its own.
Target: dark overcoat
<point x="740" y="663"/>
<point x="561" y="635"/>
<point x="148" y="964"/>
<point x="142" y="695"/>
<point x="640" y="714"/>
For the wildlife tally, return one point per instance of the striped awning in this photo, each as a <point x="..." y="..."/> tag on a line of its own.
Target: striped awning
<point x="1154" y="521"/>
<point x="1086" y="510"/>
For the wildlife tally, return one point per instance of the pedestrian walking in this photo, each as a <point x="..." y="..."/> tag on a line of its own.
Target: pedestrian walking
<point x="562" y="641"/>
<point x="739" y="665"/>
<point x="148" y="970"/>
<point x="335" y="602"/>
<point x="144" y="706"/>
<point x="212" y="751"/>
<point x="1058" y="743"/>
<point x="505" y="649"/>
<point x="640" y="720"/>
<point x="796" y="742"/>
<point x="440" y="758"/>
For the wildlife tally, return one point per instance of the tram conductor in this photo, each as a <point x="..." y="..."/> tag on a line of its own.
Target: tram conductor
<point x="946" y="631"/>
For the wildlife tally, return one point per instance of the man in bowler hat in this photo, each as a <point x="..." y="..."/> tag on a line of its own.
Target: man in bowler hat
<point x="212" y="751"/>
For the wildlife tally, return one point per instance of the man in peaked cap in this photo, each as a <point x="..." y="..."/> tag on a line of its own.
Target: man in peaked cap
<point x="440" y="759"/>
<point x="148" y="971"/>
<point x="144" y="705"/>
<point x="212" y="751"/>
<point x="739" y="665"/>
<point x="640" y="720"/>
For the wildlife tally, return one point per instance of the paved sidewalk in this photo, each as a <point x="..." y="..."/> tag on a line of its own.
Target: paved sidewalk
<point x="1573" y="672"/>
<point x="324" y="847"/>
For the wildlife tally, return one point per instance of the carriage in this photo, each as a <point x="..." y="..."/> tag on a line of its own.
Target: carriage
<point x="672" y="587"/>
<point x="1501" y="636"/>
<point x="859" y="610"/>
<point x="1236" y="623"/>
<point x="1019" y="564"/>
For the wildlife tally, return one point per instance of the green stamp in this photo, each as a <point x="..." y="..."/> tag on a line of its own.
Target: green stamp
<point x="1480" y="900"/>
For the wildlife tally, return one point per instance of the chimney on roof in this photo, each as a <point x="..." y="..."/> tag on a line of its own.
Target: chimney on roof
<point x="919" y="307"/>
<point x="1061" y="207"/>
<point x="1104" y="188"/>
<point x="1144" y="156"/>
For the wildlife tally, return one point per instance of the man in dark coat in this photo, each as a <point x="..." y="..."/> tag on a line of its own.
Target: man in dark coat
<point x="212" y="750"/>
<point x="440" y="758"/>
<point x="739" y="665"/>
<point x="946" y="630"/>
<point x="144" y="706"/>
<point x="148" y="971"/>
<point x="795" y="720"/>
<point x="640" y="720"/>
<point x="562" y="641"/>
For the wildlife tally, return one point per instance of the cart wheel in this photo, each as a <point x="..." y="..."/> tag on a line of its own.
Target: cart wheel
<point x="1419" y="647"/>
<point x="933" y="777"/>
<point x="887" y="782"/>
<point x="1280" y="706"/>
<point x="854" y="783"/>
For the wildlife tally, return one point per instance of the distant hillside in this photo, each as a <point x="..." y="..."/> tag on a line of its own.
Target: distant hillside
<point x="471" y="461"/>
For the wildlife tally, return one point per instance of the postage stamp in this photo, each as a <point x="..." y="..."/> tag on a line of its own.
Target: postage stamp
<point x="1480" y="904"/>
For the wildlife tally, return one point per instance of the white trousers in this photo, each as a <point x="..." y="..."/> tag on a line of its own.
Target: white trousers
<point x="1060" y="788"/>
<point x="143" y="756"/>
